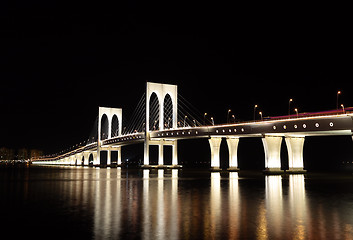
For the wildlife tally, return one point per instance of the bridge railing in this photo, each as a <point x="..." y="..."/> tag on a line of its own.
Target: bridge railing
<point x="286" y="117"/>
<point x="79" y="149"/>
<point x="125" y="137"/>
<point x="55" y="157"/>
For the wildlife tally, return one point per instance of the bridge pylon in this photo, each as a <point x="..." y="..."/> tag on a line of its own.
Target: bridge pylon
<point x="109" y="125"/>
<point x="162" y="93"/>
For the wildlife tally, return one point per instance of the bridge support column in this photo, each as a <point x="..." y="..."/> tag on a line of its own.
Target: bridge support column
<point x="79" y="159"/>
<point x="86" y="156"/>
<point x="175" y="153"/>
<point x="295" y="146"/>
<point x="272" y="146"/>
<point x="119" y="156"/>
<point x="146" y="152"/>
<point x="160" y="153"/>
<point x="233" y="153"/>
<point x="95" y="157"/>
<point x="96" y="160"/>
<point x="215" y="143"/>
<point x="160" y="144"/>
<point x="72" y="160"/>
<point x="109" y="157"/>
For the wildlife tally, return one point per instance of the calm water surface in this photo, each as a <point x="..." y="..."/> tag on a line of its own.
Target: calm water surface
<point x="93" y="203"/>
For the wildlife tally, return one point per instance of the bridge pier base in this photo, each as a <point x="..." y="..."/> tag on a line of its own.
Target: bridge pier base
<point x="86" y="157"/>
<point x="215" y="143"/>
<point x="295" y="146"/>
<point x="272" y="147"/>
<point x="146" y="151"/>
<point x="109" y="157"/>
<point x="233" y="153"/>
<point x="96" y="159"/>
<point x="160" y="153"/>
<point x="175" y="154"/>
<point x="119" y="156"/>
<point x="117" y="161"/>
<point x="161" y="144"/>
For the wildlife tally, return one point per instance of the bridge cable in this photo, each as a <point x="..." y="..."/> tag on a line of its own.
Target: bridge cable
<point x="137" y="117"/>
<point x="194" y="117"/>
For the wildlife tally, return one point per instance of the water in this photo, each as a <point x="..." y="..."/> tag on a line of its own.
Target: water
<point x="89" y="203"/>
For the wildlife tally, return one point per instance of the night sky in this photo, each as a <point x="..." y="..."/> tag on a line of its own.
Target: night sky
<point x="60" y="60"/>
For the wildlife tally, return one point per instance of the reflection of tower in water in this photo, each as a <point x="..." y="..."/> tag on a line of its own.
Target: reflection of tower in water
<point x="160" y="205"/>
<point x="108" y="202"/>
<point x="146" y="229"/>
<point x="160" y="213"/>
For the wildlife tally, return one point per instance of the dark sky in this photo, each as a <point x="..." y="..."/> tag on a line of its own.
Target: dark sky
<point x="60" y="60"/>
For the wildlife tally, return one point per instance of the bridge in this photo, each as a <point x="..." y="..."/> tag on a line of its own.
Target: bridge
<point x="163" y="123"/>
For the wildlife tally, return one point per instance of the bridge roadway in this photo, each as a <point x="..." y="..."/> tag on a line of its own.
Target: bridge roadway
<point x="271" y="131"/>
<point x="308" y="126"/>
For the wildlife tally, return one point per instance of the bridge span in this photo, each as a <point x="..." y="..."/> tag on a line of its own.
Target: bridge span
<point x="164" y="130"/>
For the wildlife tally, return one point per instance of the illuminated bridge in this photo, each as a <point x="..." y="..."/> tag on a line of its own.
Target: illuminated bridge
<point x="164" y="123"/>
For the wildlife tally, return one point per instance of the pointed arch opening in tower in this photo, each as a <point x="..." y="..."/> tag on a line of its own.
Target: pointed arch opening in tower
<point x="104" y="127"/>
<point x="154" y="112"/>
<point x="168" y="112"/>
<point x="115" y="126"/>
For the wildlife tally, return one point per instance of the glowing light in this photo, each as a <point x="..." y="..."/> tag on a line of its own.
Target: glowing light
<point x="274" y="200"/>
<point x="297" y="204"/>
<point x="215" y="203"/>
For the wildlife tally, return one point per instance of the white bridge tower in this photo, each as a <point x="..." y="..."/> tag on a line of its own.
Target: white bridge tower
<point x="162" y="91"/>
<point x="109" y="125"/>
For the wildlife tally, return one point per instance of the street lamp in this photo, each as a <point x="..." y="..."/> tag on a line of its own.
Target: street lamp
<point x="255" y="111"/>
<point x="212" y="121"/>
<point x="296" y="110"/>
<point x="185" y="119"/>
<point x="338" y="94"/>
<point x="204" y="118"/>
<point x="229" y="110"/>
<point x="233" y="118"/>
<point x="342" y="106"/>
<point x="290" y="100"/>
<point x="261" y="115"/>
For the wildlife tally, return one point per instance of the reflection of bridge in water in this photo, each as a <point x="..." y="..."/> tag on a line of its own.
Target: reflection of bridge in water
<point x="162" y="204"/>
<point x="163" y="123"/>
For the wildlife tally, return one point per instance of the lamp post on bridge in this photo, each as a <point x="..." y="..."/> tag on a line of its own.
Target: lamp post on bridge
<point x="296" y="110"/>
<point x="255" y="111"/>
<point x="290" y="100"/>
<point x="338" y="94"/>
<point x="260" y="113"/>
<point x="343" y="108"/>
<point x="229" y="110"/>
<point x="204" y="118"/>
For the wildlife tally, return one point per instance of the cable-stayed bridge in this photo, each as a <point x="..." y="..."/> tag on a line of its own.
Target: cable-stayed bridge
<point x="162" y="117"/>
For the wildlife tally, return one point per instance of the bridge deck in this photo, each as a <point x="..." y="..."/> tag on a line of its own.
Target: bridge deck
<point x="306" y="126"/>
<point x="309" y="126"/>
